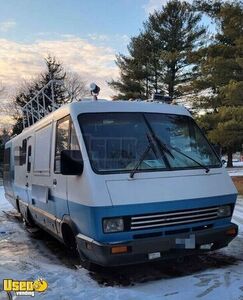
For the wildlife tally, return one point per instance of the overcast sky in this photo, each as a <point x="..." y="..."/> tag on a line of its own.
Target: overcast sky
<point x="84" y="34"/>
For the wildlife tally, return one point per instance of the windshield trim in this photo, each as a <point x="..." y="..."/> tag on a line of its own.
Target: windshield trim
<point x="165" y="169"/>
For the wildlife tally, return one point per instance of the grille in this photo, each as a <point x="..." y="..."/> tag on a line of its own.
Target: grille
<point x="173" y="218"/>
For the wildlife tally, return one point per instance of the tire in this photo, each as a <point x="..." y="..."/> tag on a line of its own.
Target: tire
<point x="70" y="242"/>
<point x="86" y="263"/>
<point x="31" y="227"/>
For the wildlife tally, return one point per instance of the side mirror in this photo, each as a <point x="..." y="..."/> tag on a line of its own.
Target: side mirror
<point x="223" y="162"/>
<point x="71" y="162"/>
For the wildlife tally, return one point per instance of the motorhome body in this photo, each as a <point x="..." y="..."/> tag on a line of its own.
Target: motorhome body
<point x="126" y="181"/>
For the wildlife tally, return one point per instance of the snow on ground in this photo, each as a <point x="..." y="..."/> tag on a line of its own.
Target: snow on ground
<point x="237" y="170"/>
<point x="238" y="164"/>
<point x="214" y="276"/>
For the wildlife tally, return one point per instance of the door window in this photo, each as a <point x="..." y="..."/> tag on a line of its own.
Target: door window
<point x="22" y="153"/>
<point x="66" y="139"/>
<point x="74" y="145"/>
<point x="62" y="141"/>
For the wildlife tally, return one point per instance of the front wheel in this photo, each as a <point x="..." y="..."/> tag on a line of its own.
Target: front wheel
<point x="86" y="263"/>
<point x="71" y="243"/>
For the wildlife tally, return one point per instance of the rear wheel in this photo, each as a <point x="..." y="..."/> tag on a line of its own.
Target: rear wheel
<point x="30" y="225"/>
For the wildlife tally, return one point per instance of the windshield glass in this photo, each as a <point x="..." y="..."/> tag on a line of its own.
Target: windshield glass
<point x="115" y="142"/>
<point x="181" y="134"/>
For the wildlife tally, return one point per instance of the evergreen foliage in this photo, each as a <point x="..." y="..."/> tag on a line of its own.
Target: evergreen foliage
<point x="161" y="56"/>
<point x="220" y="79"/>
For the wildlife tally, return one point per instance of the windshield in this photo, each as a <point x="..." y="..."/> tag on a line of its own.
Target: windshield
<point x="115" y="142"/>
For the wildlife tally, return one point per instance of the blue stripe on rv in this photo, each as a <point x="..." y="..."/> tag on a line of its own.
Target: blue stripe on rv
<point x="88" y="219"/>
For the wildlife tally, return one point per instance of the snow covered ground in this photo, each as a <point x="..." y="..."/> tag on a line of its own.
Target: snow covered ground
<point x="237" y="170"/>
<point x="214" y="276"/>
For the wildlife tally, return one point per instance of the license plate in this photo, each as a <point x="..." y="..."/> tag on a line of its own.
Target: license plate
<point x="154" y="255"/>
<point x="187" y="243"/>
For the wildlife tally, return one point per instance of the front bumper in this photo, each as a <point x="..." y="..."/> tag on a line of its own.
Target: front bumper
<point x="167" y="246"/>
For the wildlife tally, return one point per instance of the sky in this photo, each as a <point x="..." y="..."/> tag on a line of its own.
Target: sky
<point x="83" y="34"/>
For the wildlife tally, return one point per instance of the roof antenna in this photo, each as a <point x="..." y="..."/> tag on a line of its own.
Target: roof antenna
<point x="94" y="89"/>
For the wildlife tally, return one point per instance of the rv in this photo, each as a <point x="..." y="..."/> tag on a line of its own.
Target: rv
<point x="123" y="182"/>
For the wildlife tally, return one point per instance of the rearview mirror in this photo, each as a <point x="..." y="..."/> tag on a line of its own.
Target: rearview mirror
<point x="71" y="162"/>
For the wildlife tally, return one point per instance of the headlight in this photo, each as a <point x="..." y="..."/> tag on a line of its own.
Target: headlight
<point x="224" y="211"/>
<point x="113" y="225"/>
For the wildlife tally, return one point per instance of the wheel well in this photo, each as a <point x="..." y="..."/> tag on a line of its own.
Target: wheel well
<point x="25" y="214"/>
<point x="28" y="218"/>
<point x="68" y="236"/>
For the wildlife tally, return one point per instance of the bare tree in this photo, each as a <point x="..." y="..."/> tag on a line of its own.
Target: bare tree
<point x="75" y="87"/>
<point x="4" y="137"/>
<point x="12" y="107"/>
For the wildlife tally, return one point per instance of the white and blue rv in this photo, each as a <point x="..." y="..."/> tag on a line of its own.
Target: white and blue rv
<point x="123" y="181"/>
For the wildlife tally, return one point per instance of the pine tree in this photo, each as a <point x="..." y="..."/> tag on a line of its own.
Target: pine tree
<point x="55" y="72"/>
<point x="160" y="57"/>
<point x="221" y="79"/>
<point x="66" y="88"/>
<point x="178" y="29"/>
<point x="136" y="70"/>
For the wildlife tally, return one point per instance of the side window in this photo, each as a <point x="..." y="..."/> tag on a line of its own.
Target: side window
<point x="62" y="141"/>
<point x="29" y="159"/>
<point x="6" y="160"/>
<point x="22" y="153"/>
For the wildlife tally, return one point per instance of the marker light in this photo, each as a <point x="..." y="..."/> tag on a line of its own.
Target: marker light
<point x="119" y="249"/>
<point x="231" y="232"/>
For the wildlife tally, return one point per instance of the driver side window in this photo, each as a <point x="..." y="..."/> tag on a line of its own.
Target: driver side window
<point x="66" y="139"/>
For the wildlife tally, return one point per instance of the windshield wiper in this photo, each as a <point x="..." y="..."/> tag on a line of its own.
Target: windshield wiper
<point x="163" y="147"/>
<point x="168" y="150"/>
<point x="144" y="154"/>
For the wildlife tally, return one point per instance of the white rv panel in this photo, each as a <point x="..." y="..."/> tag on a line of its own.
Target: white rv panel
<point x="43" y="142"/>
